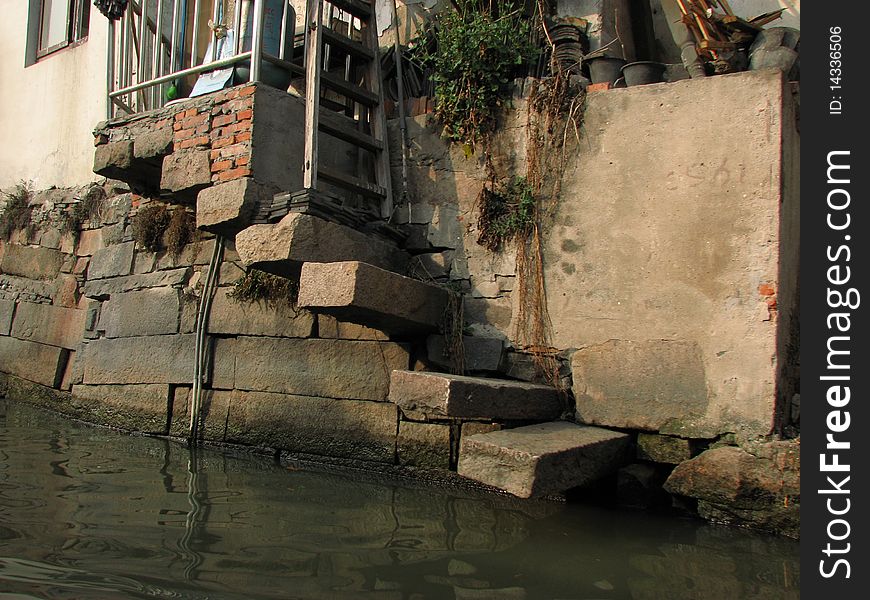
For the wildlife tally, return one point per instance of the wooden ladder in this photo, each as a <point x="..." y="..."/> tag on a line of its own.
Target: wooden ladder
<point x="361" y="121"/>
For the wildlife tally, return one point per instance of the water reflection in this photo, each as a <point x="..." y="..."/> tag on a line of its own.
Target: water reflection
<point x="86" y="512"/>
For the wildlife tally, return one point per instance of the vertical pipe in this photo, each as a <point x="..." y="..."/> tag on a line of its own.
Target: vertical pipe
<point x="257" y="45"/>
<point x="157" y="52"/>
<point x="128" y="58"/>
<point x="238" y="28"/>
<point x="215" y="20"/>
<point x="195" y="35"/>
<point x="173" y="43"/>
<point x="110" y="68"/>
<point x="284" y="31"/>
<point x="143" y="54"/>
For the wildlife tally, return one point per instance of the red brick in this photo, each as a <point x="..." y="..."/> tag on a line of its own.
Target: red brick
<point x="243" y="137"/>
<point x="222" y="142"/>
<point x="162" y="123"/>
<point x="242" y="126"/>
<point x="190" y="112"/>
<point x="177" y="126"/>
<point x="192" y="122"/>
<point x="234" y="150"/>
<point x="183" y="134"/>
<point x="190" y="143"/>
<point x="233" y="174"/>
<point x="179" y="116"/>
<point x="599" y="87"/>
<point x="245" y="114"/>
<point x="243" y="160"/>
<point x="767" y="289"/>
<point x="214" y="155"/>
<point x="223" y="120"/>
<point x="221" y="165"/>
<point x="247" y="91"/>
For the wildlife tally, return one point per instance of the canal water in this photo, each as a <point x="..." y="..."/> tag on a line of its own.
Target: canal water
<point x="89" y="513"/>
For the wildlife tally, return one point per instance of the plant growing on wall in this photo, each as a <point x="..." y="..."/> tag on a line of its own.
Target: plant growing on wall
<point x="18" y="214"/>
<point x="87" y="209"/>
<point x="180" y="231"/>
<point x="473" y="52"/>
<point x="257" y="286"/>
<point x="149" y="224"/>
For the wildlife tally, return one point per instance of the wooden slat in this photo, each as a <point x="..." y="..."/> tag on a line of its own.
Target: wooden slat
<point x="313" y="60"/>
<point x="379" y="120"/>
<point x="344" y="128"/>
<point x="358" y="8"/>
<point x="342" y="42"/>
<point x="369" y="190"/>
<point x="345" y="88"/>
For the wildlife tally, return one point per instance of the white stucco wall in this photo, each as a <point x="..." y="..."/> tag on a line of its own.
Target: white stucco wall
<point x="48" y="110"/>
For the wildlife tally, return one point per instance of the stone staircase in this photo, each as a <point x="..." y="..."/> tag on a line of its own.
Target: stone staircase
<point x="532" y="460"/>
<point x="545" y="457"/>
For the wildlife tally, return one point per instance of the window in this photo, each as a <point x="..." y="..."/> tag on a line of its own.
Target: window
<point x="55" y="24"/>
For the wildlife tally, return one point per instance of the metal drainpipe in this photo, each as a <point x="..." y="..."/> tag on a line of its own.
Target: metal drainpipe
<point x="201" y="333"/>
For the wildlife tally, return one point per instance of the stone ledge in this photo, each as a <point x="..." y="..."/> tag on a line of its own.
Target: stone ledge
<point x="439" y="396"/>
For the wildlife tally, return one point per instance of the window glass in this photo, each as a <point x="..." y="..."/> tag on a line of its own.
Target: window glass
<point x="55" y="23"/>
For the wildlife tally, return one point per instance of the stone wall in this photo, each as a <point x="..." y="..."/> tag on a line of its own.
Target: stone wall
<point x="671" y="258"/>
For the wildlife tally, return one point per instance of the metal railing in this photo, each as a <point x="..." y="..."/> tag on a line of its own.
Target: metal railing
<point x="159" y="43"/>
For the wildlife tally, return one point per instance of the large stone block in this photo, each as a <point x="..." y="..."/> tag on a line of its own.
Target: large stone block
<point x="640" y="385"/>
<point x="480" y="353"/>
<point x="113" y="261"/>
<point x="113" y="160"/>
<point x="760" y="488"/>
<point x="103" y="288"/>
<point x="7" y="309"/>
<point x="311" y="425"/>
<point x="153" y="359"/>
<point x="184" y="170"/>
<point x="33" y="263"/>
<point x="48" y="324"/>
<point x="298" y="238"/>
<point x="234" y="317"/>
<point x="146" y="312"/>
<point x="424" y="445"/>
<point x="132" y="407"/>
<point x="363" y="294"/>
<point x="542" y="459"/>
<point x="33" y="361"/>
<point x="428" y="396"/>
<point x="90" y="241"/>
<point x="312" y="367"/>
<point x="331" y="328"/>
<point x="153" y="143"/>
<point x="228" y="208"/>
<point x="664" y="448"/>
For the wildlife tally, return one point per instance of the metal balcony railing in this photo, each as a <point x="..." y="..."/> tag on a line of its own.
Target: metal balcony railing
<point x="158" y="44"/>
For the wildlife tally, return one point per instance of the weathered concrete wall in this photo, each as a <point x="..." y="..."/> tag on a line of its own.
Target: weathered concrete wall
<point x="671" y="259"/>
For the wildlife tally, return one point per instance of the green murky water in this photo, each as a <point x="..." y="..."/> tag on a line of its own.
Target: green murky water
<point x="90" y="513"/>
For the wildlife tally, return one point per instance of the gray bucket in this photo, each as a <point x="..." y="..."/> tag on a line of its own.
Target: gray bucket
<point x="643" y="72"/>
<point x="604" y="69"/>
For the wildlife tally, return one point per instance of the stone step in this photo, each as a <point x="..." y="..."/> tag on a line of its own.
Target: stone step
<point x="359" y="293"/>
<point x="537" y="460"/>
<point x="432" y="396"/>
<point x="283" y="247"/>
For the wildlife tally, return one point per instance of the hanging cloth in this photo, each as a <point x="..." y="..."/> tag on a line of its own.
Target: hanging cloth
<point x="112" y="9"/>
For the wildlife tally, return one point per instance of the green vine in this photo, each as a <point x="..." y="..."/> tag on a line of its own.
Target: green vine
<point x="472" y="53"/>
<point x="505" y="213"/>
